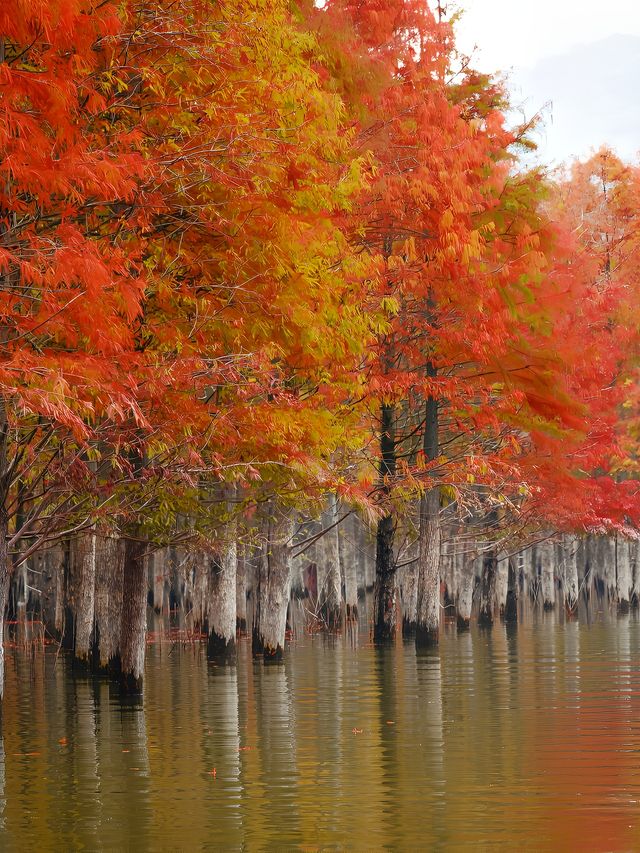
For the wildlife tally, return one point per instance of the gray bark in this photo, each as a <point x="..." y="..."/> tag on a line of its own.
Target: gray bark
<point x="624" y="580"/>
<point x="328" y="552"/>
<point x="108" y="599"/>
<point x="570" y="582"/>
<point x="84" y="553"/>
<point x="546" y="558"/>
<point x="134" y="616"/>
<point x="349" y="565"/>
<point x="428" y="610"/>
<point x="221" y="618"/>
<point x="273" y="587"/>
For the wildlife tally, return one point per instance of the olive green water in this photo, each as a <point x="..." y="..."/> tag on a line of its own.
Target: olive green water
<point x="526" y="739"/>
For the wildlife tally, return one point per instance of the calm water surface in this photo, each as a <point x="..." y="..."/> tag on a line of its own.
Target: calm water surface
<point x="524" y="739"/>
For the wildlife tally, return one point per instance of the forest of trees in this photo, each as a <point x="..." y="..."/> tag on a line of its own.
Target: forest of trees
<point x="283" y="309"/>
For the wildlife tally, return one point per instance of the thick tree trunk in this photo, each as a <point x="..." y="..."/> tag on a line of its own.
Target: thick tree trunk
<point x="328" y="551"/>
<point x="273" y="588"/>
<point x="83" y="553"/>
<point x="409" y="590"/>
<point x="134" y="616"/>
<point x="108" y="602"/>
<point x="385" y="602"/>
<point x="221" y="619"/>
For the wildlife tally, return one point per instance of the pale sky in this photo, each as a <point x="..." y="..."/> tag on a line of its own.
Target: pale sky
<point x="579" y="56"/>
<point x="520" y="32"/>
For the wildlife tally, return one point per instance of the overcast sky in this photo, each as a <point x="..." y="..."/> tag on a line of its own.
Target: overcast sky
<point x="540" y="39"/>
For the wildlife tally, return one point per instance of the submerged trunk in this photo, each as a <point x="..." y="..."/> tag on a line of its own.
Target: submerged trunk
<point x="547" y="574"/>
<point x="5" y="576"/>
<point x="409" y="590"/>
<point x="241" y="589"/>
<point x="487" y="589"/>
<point x="108" y="602"/>
<point x="428" y="613"/>
<point x="349" y="566"/>
<point x="83" y="551"/>
<point x="623" y="573"/>
<point x="329" y="556"/>
<point x="221" y="614"/>
<point x="466" y="588"/>
<point x="272" y="588"/>
<point x="385" y="590"/>
<point x="134" y="616"/>
<point x="570" y="585"/>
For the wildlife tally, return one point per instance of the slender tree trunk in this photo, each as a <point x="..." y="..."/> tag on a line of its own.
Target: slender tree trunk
<point x="349" y="565"/>
<point x="385" y="591"/>
<point x="273" y="588"/>
<point x="607" y="551"/>
<point x="502" y="582"/>
<point x="513" y="587"/>
<point x="547" y="564"/>
<point x="4" y="561"/>
<point x="134" y="616"/>
<point x="570" y="585"/>
<point x="428" y="613"/>
<point x="241" y="589"/>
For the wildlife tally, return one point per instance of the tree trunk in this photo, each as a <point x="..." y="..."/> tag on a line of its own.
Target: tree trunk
<point x="134" y="616"/>
<point x="428" y="611"/>
<point x="385" y="590"/>
<point x="349" y="565"/>
<point x="329" y="557"/>
<point x="467" y="586"/>
<point x="241" y="589"/>
<point x="570" y="585"/>
<point x="607" y="551"/>
<point x="83" y="553"/>
<point x="409" y="590"/>
<point x="273" y="587"/>
<point x="5" y="577"/>
<point x="623" y="573"/>
<point x="221" y="618"/>
<point x="108" y="602"/>
<point x="487" y="589"/>
<point x="547" y="565"/>
<point x="159" y="580"/>
<point x="428" y="621"/>
<point x="502" y="582"/>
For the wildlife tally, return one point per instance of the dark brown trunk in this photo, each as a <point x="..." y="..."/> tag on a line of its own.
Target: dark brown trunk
<point x="385" y="590"/>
